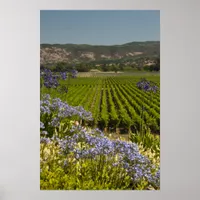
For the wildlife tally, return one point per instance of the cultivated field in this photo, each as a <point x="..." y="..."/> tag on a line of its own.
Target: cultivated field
<point x="114" y="100"/>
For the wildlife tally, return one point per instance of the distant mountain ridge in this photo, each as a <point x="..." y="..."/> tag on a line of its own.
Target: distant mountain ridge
<point x="76" y="53"/>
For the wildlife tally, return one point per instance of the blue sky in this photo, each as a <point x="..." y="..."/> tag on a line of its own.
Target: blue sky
<point x="99" y="27"/>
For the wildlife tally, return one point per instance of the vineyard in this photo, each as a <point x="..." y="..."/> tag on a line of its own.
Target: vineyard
<point x="114" y="101"/>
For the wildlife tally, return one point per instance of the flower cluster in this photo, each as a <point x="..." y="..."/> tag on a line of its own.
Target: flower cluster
<point x="56" y="110"/>
<point x="146" y="86"/>
<point x="74" y="73"/>
<point x="63" y="75"/>
<point x="45" y="140"/>
<point x="92" y="144"/>
<point x="42" y="125"/>
<point x="45" y="104"/>
<point x="65" y="111"/>
<point x="50" y="80"/>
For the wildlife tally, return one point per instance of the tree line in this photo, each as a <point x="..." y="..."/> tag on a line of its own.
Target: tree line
<point x="86" y="67"/>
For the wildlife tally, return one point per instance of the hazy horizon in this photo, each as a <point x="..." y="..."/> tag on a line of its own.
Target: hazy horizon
<point x="98" y="44"/>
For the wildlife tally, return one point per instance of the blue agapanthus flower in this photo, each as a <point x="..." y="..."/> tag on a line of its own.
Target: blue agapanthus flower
<point x="74" y="73"/>
<point x="63" y="75"/>
<point x="50" y="80"/>
<point x="147" y="86"/>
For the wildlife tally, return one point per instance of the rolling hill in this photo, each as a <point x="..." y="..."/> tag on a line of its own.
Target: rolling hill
<point x="77" y="53"/>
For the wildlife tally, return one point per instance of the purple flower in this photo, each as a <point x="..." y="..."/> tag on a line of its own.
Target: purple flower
<point x="45" y="140"/>
<point x="50" y="80"/>
<point x="74" y="73"/>
<point x="146" y="86"/>
<point x="42" y="125"/>
<point x="55" y="122"/>
<point x="63" y="75"/>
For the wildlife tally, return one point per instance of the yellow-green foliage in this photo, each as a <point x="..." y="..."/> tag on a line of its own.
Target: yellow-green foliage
<point x="154" y="157"/>
<point x="49" y="152"/>
<point x="148" y="141"/>
<point x="86" y="174"/>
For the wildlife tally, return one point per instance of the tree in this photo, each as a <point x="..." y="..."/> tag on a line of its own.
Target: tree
<point x="115" y="68"/>
<point x="61" y="66"/>
<point x="157" y="64"/>
<point x="104" y="68"/>
<point x="121" y="67"/>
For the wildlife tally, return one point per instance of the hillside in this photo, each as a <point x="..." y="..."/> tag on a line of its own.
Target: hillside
<point x="74" y="53"/>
